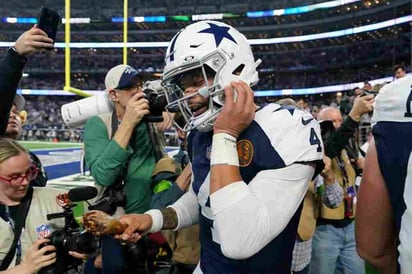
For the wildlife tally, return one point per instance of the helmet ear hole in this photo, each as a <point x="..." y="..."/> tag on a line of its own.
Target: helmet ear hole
<point x="209" y="71"/>
<point x="238" y="70"/>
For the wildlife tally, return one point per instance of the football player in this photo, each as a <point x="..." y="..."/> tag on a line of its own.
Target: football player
<point x="384" y="221"/>
<point x="251" y="166"/>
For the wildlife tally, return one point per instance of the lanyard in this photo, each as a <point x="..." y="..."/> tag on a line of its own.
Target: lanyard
<point x="11" y="222"/>
<point x="343" y="171"/>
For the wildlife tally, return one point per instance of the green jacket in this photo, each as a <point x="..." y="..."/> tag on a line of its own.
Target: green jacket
<point x="107" y="161"/>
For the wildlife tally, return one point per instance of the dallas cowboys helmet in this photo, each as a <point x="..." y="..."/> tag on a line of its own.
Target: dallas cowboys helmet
<point x="208" y="46"/>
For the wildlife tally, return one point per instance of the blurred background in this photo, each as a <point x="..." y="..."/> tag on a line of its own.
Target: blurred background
<point x="316" y="52"/>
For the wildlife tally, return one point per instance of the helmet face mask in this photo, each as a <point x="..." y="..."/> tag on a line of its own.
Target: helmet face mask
<point x="215" y="52"/>
<point x="201" y="80"/>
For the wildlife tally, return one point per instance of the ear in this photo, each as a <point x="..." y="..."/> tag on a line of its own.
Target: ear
<point x="113" y="95"/>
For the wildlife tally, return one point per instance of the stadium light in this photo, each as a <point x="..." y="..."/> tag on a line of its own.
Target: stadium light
<point x="77" y="20"/>
<point x="297" y="10"/>
<point x="267" y="41"/>
<point x="258" y="93"/>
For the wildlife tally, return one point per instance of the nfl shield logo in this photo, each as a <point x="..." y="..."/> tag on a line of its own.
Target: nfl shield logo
<point x="43" y="231"/>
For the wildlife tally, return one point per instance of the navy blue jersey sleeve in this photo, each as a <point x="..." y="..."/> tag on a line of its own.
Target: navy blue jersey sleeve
<point x="393" y="146"/>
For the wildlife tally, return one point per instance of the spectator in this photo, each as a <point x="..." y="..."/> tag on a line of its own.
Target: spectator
<point x="384" y="207"/>
<point x="367" y="86"/>
<point x="399" y="71"/>
<point x="314" y="111"/>
<point x="248" y="207"/>
<point x="11" y="67"/>
<point x="13" y="131"/>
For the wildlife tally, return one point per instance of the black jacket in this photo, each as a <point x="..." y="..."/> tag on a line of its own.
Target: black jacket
<point x="11" y="67"/>
<point x="340" y="138"/>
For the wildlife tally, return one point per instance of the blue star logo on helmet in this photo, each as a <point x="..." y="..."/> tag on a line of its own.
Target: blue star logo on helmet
<point x="219" y="33"/>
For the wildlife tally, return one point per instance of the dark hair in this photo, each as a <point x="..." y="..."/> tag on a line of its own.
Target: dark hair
<point x="396" y="67"/>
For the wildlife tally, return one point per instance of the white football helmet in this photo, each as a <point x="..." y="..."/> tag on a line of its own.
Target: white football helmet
<point x="209" y="46"/>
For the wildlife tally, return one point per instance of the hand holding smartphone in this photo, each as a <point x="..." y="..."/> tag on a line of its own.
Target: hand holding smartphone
<point x="48" y="22"/>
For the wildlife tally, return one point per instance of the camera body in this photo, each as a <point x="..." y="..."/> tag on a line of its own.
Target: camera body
<point x="110" y="200"/>
<point x="368" y="92"/>
<point x="75" y="114"/>
<point x="155" y="94"/>
<point x="70" y="238"/>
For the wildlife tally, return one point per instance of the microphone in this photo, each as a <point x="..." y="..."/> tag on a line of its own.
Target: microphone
<point x="79" y="194"/>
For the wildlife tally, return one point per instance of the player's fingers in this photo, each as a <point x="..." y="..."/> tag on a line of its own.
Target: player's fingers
<point x="229" y="95"/>
<point x="241" y="95"/>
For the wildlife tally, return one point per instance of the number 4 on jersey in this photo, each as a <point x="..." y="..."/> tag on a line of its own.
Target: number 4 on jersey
<point x="314" y="140"/>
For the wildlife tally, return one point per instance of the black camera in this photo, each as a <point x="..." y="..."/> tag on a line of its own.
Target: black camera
<point x="157" y="104"/>
<point x="156" y="96"/>
<point x="369" y="92"/>
<point x="70" y="238"/>
<point x="147" y="255"/>
<point x="112" y="198"/>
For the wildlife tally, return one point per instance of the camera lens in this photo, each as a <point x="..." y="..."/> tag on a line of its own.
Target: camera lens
<point x="83" y="242"/>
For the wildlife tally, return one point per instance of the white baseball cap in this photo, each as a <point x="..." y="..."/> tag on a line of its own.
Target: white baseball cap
<point x="121" y="77"/>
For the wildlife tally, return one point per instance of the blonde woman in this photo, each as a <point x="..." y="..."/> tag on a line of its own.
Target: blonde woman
<point x="31" y="251"/>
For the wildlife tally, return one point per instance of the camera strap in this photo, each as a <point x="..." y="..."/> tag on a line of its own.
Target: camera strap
<point x="119" y="183"/>
<point x="157" y="141"/>
<point x="22" y="211"/>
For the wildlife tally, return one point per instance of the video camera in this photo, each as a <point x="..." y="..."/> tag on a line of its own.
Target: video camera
<point x="75" y="114"/>
<point x="70" y="238"/>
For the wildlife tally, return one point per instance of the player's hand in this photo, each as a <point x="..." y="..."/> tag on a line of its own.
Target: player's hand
<point x="137" y="107"/>
<point x="327" y="172"/>
<point x="238" y="111"/>
<point x="36" y="258"/>
<point x="185" y="177"/>
<point x="98" y="261"/>
<point x="361" y="105"/>
<point x="137" y="225"/>
<point x="33" y="40"/>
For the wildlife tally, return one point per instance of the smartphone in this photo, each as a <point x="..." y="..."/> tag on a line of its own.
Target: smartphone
<point x="48" y="22"/>
<point x="365" y="92"/>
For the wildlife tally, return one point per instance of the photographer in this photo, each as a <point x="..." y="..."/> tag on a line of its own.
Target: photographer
<point x="345" y="130"/>
<point x="11" y="67"/>
<point x="119" y="151"/>
<point x="23" y="212"/>
<point x="337" y="225"/>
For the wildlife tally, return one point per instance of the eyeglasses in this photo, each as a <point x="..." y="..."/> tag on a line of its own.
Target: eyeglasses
<point x="17" y="180"/>
<point x="137" y="86"/>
